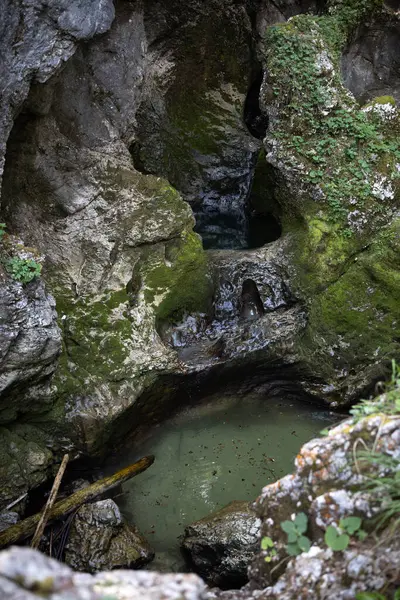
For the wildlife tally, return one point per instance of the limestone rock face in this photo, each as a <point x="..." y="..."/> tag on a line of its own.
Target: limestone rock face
<point x="370" y="62"/>
<point x="36" y="38"/>
<point x="99" y="539"/>
<point x="28" y="575"/>
<point x="30" y="343"/>
<point x="221" y="545"/>
<point x="121" y="253"/>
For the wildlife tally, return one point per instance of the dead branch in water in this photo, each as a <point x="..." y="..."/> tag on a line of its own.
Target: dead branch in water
<point x="25" y="528"/>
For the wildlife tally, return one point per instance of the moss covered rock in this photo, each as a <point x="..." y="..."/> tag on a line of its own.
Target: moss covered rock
<point x="337" y="168"/>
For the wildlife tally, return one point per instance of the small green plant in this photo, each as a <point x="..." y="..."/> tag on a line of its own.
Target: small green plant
<point x="338" y="538"/>
<point x="268" y="545"/>
<point x="2" y="230"/>
<point x="295" y="530"/>
<point x="23" y="269"/>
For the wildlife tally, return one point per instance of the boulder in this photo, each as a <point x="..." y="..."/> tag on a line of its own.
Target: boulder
<point x="221" y="545"/>
<point x="29" y="575"/>
<point x="99" y="539"/>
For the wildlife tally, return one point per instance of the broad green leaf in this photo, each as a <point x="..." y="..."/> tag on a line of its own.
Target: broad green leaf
<point x="293" y="549"/>
<point x="304" y="543"/>
<point x="397" y="594"/>
<point x="350" y="524"/>
<point x="268" y="559"/>
<point x="301" y="522"/>
<point x="266" y="543"/>
<point x="334" y="540"/>
<point x="288" y="526"/>
<point x="292" y="537"/>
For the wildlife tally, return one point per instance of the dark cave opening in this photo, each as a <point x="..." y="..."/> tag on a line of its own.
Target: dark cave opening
<point x="255" y="120"/>
<point x="256" y="224"/>
<point x="220" y="231"/>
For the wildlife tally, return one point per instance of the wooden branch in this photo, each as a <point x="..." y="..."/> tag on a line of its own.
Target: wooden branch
<point x="50" y="501"/>
<point x="25" y="528"/>
<point x="17" y="501"/>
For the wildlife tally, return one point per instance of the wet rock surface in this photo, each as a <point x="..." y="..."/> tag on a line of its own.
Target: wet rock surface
<point x="81" y="184"/>
<point x="221" y="545"/>
<point x="99" y="539"/>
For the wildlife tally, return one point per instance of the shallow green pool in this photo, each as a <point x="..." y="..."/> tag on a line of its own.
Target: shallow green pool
<point x="209" y="455"/>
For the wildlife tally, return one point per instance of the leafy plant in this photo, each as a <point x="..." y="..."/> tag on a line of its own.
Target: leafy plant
<point x="267" y="544"/>
<point x="339" y="538"/>
<point x="295" y="530"/>
<point x="2" y="230"/>
<point x="23" y="269"/>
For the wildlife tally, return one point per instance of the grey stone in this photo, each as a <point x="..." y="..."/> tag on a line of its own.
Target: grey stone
<point x="99" y="539"/>
<point x="26" y="574"/>
<point x="221" y="545"/>
<point x="370" y="63"/>
<point x="7" y="519"/>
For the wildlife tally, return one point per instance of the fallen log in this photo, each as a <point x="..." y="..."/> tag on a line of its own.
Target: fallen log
<point x="25" y="528"/>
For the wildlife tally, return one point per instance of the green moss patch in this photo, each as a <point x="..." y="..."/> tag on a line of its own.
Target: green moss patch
<point x="180" y="282"/>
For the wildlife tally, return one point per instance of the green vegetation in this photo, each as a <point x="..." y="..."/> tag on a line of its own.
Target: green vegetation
<point x="268" y="546"/>
<point x="20" y="269"/>
<point x="338" y="538"/>
<point x="377" y="596"/>
<point x="179" y="282"/>
<point x="320" y="125"/>
<point x="23" y="269"/>
<point x="387" y="403"/>
<point x="295" y="530"/>
<point x="385" y="487"/>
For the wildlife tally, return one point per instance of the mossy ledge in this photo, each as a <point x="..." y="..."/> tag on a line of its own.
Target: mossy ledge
<point x="338" y="183"/>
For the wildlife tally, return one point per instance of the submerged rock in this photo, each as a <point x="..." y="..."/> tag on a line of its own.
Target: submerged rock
<point x="221" y="545"/>
<point x="99" y="539"/>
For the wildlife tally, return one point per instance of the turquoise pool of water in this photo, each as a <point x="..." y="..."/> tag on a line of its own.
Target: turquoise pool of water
<point x="208" y="455"/>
